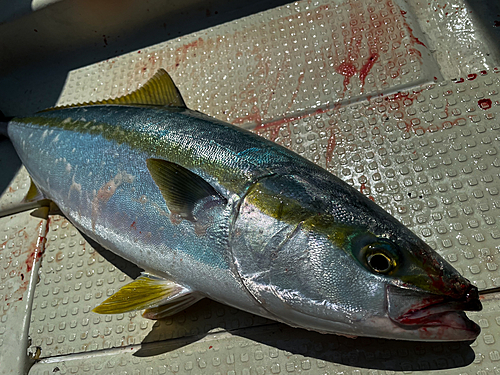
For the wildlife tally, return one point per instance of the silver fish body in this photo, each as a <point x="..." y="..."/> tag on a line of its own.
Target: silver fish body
<point x="279" y="236"/>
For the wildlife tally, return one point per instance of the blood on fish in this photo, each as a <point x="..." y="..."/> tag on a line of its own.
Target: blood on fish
<point x="106" y="192"/>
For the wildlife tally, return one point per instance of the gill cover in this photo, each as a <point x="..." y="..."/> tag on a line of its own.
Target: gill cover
<point x="289" y="265"/>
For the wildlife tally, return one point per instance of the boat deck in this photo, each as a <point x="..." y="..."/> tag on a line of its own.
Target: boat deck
<point x="398" y="98"/>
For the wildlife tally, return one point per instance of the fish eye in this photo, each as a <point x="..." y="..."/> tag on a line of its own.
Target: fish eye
<point x="379" y="262"/>
<point x="380" y="257"/>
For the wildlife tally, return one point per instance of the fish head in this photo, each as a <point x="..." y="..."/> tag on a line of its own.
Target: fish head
<point x="425" y="297"/>
<point x="325" y="258"/>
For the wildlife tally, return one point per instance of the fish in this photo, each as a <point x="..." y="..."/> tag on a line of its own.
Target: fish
<point x="210" y="210"/>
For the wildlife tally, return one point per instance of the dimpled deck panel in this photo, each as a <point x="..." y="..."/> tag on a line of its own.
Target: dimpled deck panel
<point x="17" y="190"/>
<point x="278" y="349"/>
<point x="309" y="76"/>
<point x="459" y="46"/>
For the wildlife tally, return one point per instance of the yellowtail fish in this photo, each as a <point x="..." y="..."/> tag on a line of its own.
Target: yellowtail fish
<point x="210" y="210"/>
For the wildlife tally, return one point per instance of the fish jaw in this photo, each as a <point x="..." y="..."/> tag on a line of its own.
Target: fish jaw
<point x="431" y="317"/>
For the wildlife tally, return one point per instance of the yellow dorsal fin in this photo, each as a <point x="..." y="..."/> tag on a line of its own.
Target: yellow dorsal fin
<point x="159" y="90"/>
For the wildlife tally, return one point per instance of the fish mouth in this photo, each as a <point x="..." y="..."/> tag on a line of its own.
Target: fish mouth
<point x="434" y="315"/>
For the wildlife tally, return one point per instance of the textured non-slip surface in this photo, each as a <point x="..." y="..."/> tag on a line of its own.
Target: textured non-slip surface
<point x="399" y="99"/>
<point x="289" y="60"/>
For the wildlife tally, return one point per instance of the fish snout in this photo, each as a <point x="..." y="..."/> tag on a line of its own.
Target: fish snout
<point x="463" y="292"/>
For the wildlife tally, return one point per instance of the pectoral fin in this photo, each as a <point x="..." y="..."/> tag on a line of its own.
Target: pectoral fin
<point x="180" y="187"/>
<point x="146" y="292"/>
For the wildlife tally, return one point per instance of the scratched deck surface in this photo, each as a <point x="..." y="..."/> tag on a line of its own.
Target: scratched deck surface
<point x="400" y="99"/>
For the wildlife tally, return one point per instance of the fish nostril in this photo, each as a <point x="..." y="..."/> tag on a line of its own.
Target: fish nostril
<point x="472" y="302"/>
<point x="472" y="293"/>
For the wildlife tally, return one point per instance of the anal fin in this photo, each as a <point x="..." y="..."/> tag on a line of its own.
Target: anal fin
<point x="146" y="292"/>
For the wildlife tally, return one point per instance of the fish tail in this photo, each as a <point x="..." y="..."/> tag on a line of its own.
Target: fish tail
<point x="4" y="122"/>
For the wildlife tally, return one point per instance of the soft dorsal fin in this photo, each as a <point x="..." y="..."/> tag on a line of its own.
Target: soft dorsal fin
<point x="180" y="187"/>
<point x="33" y="199"/>
<point x="146" y="292"/>
<point x="33" y="194"/>
<point x="159" y="90"/>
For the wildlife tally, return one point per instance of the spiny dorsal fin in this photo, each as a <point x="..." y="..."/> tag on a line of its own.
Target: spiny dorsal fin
<point x="147" y="291"/>
<point x="180" y="187"/>
<point x="159" y="90"/>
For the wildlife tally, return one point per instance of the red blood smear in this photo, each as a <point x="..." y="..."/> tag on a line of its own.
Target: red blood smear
<point x="253" y="117"/>
<point x="133" y="226"/>
<point x="331" y="146"/>
<point x="483" y="72"/>
<point x="484" y="104"/>
<point x="274" y="125"/>
<point x="407" y="317"/>
<point x="37" y="248"/>
<point x="421" y="321"/>
<point x="413" y="38"/>
<point x="367" y="67"/>
<point x="181" y="52"/>
<point x="347" y="69"/>
<point x="471" y="77"/>
<point x="461" y="80"/>
<point x="496" y="23"/>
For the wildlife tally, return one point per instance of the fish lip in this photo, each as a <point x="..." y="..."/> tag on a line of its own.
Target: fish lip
<point x="431" y="310"/>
